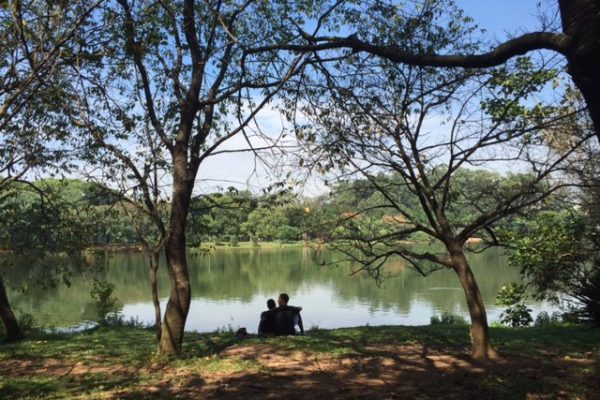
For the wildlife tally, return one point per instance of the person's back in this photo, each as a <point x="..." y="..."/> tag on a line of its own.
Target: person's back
<point x="266" y="326"/>
<point x="287" y="317"/>
<point x="284" y="320"/>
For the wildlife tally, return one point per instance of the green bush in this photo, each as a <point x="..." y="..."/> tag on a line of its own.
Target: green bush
<point x="26" y="322"/>
<point x="545" y="319"/>
<point x="516" y="314"/>
<point x="587" y="293"/>
<point x="106" y="305"/>
<point x="447" y="319"/>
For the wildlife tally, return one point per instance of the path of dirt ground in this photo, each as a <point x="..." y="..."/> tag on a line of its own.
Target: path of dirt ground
<point x="389" y="372"/>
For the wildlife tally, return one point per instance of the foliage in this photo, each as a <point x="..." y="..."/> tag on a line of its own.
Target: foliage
<point x="545" y="319"/>
<point x="447" y="319"/>
<point x="587" y="294"/>
<point x="37" y="48"/>
<point x="26" y="321"/>
<point x="526" y="77"/>
<point x="517" y="314"/>
<point x="104" y="303"/>
<point x="95" y="216"/>
<point x="43" y="227"/>
<point x="219" y="214"/>
<point x="555" y="251"/>
<point x="550" y="249"/>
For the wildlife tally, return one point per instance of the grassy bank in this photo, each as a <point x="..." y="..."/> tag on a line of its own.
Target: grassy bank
<point x="424" y="362"/>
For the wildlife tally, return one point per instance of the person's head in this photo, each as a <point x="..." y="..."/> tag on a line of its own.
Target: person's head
<point x="283" y="299"/>
<point x="271" y="304"/>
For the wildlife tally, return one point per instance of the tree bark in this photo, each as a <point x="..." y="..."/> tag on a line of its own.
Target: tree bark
<point x="180" y="297"/>
<point x="482" y="349"/>
<point x="13" y="330"/>
<point x="154" y="262"/>
<point x="581" y="21"/>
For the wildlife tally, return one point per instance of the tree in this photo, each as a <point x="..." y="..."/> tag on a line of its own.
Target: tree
<point x="219" y="214"/>
<point x="138" y="198"/>
<point x="557" y="248"/>
<point x="423" y="128"/>
<point x="13" y="330"/>
<point x="183" y="71"/>
<point x="579" y="43"/>
<point x="264" y="223"/>
<point x="36" y="40"/>
<point x="146" y="214"/>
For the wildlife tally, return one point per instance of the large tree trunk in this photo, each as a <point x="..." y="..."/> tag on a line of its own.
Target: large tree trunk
<point x="581" y="21"/>
<point x="154" y="262"/>
<point x="180" y="297"/>
<point x="13" y="330"/>
<point x="481" y="342"/>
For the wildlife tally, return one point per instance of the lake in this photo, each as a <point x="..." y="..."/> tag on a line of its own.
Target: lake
<point x="230" y="288"/>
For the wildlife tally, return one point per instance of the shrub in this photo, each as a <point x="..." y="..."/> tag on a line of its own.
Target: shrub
<point x="104" y="303"/>
<point x="116" y="320"/>
<point x="545" y="319"/>
<point x="516" y="314"/>
<point x="26" y="322"/>
<point x="447" y="319"/>
<point x="587" y="293"/>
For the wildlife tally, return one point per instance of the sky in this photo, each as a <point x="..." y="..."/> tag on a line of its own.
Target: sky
<point x="500" y="18"/>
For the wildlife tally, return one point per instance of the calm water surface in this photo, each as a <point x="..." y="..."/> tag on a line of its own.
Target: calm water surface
<point x="230" y="288"/>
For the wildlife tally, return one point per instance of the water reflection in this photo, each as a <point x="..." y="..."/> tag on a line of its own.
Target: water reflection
<point x="230" y="288"/>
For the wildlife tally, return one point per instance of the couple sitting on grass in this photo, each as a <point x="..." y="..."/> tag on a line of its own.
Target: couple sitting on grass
<point x="282" y="320"/>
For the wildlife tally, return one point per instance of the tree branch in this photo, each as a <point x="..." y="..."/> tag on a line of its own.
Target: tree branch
<point x="498" y="55"/>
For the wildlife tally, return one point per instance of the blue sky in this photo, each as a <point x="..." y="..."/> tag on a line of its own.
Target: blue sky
<point x="501" y="16"/>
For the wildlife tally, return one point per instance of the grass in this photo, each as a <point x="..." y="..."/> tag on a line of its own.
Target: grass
<point x="121" y="362"/>
<point x="565" y="340"/>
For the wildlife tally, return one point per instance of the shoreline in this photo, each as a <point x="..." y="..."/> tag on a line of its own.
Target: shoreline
<point x="268" y="245"/>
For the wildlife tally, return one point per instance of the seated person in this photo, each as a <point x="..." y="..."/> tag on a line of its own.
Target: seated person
<point x="266" y="326"/>
<point x="287" y="317"/>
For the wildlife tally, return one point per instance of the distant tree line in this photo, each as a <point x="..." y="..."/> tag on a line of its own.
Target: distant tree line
<point x="98" y="216"/>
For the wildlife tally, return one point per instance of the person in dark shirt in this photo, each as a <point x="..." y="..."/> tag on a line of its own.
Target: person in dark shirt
<point x="266" y="326"/>
<point x="287" y="317"/>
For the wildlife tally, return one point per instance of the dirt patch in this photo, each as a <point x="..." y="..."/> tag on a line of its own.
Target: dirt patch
<point x="397" y="372"/>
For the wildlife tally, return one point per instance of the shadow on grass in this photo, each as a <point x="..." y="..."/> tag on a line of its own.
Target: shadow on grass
<point x="418" y="377"/>
<point x="418" y="362"/>
<point x="426" y="362"/>
<point x="64" y="386"/>
<point x="189" y="388"/>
